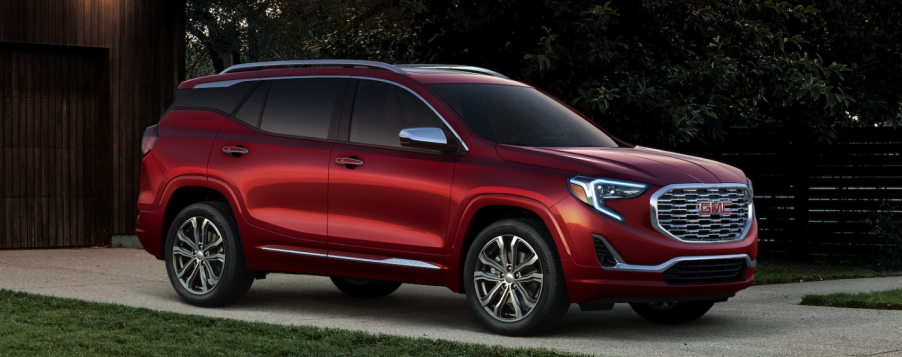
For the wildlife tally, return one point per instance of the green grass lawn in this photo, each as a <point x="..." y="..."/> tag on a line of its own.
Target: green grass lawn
<point x="882" y="300"/>
<point x="39" y="325"/>
<point x="769" y="272"/>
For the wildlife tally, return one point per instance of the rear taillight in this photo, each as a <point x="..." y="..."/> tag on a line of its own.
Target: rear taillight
<point x="150" y="138"/>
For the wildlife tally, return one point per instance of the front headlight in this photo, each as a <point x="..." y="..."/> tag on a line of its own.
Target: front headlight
<point x="595" y="191"/>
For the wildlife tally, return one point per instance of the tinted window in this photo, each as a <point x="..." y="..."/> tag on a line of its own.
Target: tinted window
<point x="301" y="107"/>
<point x="520" y="116"/>
<point x="223" y="99"/>
<point x="250" y="110"/>
<point x="381" y="110"/>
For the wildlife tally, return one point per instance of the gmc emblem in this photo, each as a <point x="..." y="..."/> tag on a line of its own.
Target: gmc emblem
<point x="714" y="207"/>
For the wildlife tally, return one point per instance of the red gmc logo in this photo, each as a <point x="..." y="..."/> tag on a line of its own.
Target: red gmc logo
<point x="714" y="207"/>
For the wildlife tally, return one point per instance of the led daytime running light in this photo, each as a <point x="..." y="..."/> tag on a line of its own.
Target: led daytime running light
<point x="588" y="188"/>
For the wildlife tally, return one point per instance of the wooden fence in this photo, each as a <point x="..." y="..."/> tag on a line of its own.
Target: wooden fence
<point x="811" y="197"/>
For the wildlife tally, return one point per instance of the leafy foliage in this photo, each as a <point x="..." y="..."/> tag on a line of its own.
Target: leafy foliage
<point x="669" y="71"/>
<point x="237" y="31"/>
<point x="660" y="72"/>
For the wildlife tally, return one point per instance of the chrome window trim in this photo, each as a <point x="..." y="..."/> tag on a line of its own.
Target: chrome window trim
<point x="660" y="268"/>
<point x="409" y="263"/>
<point x="653" y="207"/>
<point x="230" y="83"/>
<point x="461" y="140"/>
<point x="318" y="62"/>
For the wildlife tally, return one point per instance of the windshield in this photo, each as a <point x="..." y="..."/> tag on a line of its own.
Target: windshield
<point x="520" y="116"/>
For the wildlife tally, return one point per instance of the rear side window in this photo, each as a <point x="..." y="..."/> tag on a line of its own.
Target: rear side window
<point x="301" y="107"/>
<point x="223" y="99"/>
<point x="253" y="106"/>
<point x="382" y="110"/>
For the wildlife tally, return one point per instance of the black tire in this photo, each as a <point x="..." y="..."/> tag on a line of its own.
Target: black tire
<point x="235" y="278"/>
<point x="552" y="301"/>
<point x="364" y="288"/>
<point x="681" y="312"/>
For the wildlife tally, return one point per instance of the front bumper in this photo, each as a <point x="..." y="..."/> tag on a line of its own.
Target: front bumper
<point x="643" y="255"/>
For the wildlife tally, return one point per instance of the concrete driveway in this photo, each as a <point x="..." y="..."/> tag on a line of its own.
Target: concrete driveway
<point x="764" y="320"/>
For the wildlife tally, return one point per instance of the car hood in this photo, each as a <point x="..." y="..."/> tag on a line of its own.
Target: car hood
<point x="639" y="164"/>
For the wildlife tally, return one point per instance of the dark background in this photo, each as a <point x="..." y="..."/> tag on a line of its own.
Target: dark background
<point x="804" y="96"/>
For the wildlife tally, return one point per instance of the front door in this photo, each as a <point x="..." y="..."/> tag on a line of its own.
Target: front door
<point x="390" y="201"/>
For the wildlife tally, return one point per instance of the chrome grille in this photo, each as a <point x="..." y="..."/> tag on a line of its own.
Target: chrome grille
<point x="677" y="214"/>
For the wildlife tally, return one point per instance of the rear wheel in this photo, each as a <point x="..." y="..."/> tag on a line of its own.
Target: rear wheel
<point x="364" y="288"/>
<point x="513" y="278"/>
<point x="204" y="257"/>
<point x="672" y="312"/>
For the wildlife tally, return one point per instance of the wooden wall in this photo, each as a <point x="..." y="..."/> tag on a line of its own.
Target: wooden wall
<point x="134" y="51"/>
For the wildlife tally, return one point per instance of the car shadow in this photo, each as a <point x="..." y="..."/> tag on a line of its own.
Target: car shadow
<point x="314" y="301"/>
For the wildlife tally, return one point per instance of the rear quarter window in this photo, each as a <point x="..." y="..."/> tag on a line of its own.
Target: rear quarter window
<point x="253" y="105"/>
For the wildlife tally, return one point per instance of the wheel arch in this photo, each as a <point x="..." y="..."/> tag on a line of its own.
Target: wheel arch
<point x="184" y="191"/>
<point x="488" y="208"/>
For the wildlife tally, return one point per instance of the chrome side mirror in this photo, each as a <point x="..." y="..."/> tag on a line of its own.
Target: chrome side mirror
<point x="426" y="138"/>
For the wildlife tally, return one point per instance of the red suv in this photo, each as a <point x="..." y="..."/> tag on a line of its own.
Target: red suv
<point x="378" y="174"/>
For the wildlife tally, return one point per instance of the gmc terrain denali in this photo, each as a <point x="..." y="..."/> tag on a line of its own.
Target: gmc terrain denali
<point x="377" y="175"/>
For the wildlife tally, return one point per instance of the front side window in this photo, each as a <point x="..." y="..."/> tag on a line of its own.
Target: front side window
<point x="520" y="116"/>
<point x="382" y="110"/>
<point x="301" y="107"/>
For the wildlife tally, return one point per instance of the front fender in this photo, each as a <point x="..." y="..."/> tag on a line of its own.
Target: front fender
<point x="453" y="260"/>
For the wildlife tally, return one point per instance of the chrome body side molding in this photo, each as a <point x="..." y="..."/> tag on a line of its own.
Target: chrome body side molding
<point x="390" y="261"/>
<point x="295" y="252"/>
<point x="408" y="263"/>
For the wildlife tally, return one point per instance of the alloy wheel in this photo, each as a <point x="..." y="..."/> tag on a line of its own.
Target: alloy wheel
<point x="508" y="278"/>
<point x="198" y="256"/>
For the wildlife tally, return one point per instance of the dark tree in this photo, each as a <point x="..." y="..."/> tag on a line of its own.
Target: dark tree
<point x="670" y="71"/>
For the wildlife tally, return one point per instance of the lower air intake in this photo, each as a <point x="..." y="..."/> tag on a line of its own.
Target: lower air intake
<point x="604" y="254"/>
<point x="705" y="271"/>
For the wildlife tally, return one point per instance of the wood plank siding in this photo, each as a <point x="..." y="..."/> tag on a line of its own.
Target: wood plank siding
<point x="79" y="82"/>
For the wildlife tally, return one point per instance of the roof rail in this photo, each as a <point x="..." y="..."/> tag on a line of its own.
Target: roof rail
<point x="455" y="67"/>
<point x="318" y="62"/>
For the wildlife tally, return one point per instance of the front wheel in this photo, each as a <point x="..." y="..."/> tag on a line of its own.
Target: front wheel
<point x="672" y="312"/>
<point x="204" y="256"/>
<point x="513" y="278"/>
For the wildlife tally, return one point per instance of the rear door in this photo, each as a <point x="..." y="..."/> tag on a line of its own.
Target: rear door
<point x="287" y="128"/>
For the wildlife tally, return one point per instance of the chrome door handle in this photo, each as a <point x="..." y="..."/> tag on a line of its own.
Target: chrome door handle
<point x="348" y="161"/>
<point x="235" y="150"/>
